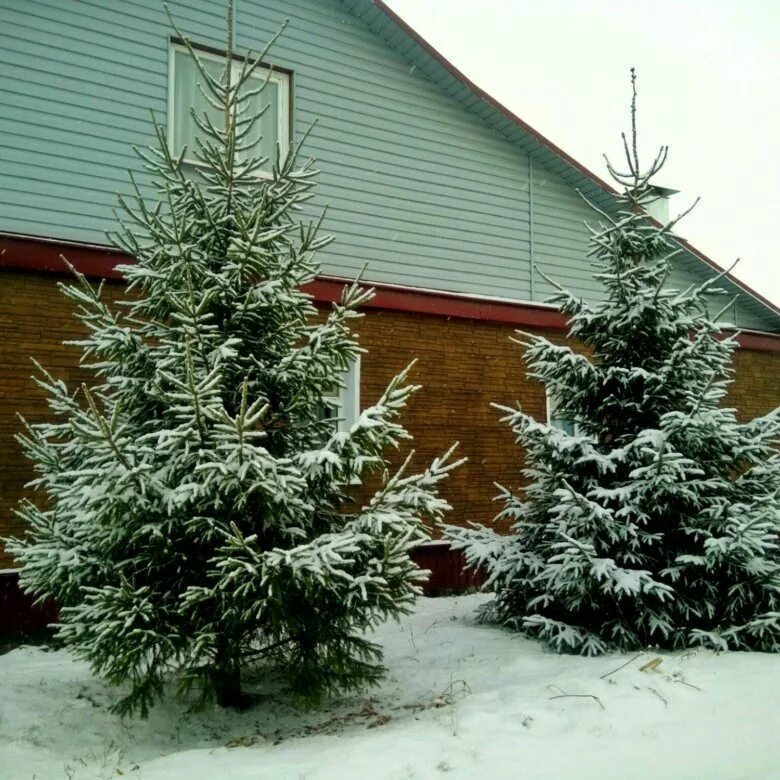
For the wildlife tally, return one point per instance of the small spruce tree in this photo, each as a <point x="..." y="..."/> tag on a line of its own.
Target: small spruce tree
<point x="196" y="516"/>
<point x="656" y="520"/>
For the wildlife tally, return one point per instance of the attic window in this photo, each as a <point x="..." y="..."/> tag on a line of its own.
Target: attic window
<point x="271" y="132"/>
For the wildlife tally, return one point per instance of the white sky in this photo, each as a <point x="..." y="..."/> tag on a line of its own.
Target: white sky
<point x="708" y="83"/>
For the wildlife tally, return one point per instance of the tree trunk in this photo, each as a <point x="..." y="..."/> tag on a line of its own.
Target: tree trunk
<point x="226" y="678"/>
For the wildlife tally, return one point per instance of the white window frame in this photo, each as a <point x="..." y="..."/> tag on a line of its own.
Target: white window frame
<point x="281" y="78"/>
<point x="551" y="405"/>
<point x="346" y="402"/>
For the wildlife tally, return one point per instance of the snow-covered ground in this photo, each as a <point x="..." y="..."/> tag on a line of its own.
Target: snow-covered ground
<point x="461" y="701"/>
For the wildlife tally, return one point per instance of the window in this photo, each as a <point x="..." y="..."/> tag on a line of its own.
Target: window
<point x="556" y="418"/>
<point x="343" y="403"/>
<point x="272" y="131"/>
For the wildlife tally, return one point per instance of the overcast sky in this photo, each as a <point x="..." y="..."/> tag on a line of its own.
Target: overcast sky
<point x="708" y="82"/>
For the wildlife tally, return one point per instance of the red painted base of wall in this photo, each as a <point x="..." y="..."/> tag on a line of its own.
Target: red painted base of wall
<point x="448" y="570"/>
<point x="18" y="614"/>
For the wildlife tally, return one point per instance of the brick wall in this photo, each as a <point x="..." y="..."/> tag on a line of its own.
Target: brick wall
<point x="756" y="390"/>
<point x="35" y="318"/>
<point x="463" y="365"/>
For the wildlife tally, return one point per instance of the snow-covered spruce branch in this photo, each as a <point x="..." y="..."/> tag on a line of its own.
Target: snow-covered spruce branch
<point x="658" y="521"/>
<point x="195" y="496"/>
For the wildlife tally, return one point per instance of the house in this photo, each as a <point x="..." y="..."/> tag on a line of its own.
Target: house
<point x="447" y="196"/>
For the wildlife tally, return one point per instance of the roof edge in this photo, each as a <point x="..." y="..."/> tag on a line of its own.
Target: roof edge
<point x="554" y="148"/>
<point x="477" y="90"/>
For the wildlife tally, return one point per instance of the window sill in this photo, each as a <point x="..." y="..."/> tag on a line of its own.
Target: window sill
<point x="259" y="175"/>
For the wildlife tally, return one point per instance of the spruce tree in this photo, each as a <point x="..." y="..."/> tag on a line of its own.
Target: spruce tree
<point x="196" y="519"/>
<point x="654" y="519"/>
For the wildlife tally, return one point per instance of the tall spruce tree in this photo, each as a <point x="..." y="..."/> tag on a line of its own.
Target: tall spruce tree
<point x="196" y="516"/>
<point x="655" y="520"/>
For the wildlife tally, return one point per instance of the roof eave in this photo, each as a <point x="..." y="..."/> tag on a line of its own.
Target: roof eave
<point x="596" y="183"/>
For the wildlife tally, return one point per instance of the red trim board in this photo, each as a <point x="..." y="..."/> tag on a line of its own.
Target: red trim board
<point x="41" y="255"/>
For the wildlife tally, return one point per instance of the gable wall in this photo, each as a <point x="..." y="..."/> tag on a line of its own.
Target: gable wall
<point x="417" y="187"/>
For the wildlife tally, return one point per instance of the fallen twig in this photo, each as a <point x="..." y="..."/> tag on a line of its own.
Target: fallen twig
<point x="690" y="685"/>
<point x="579" y="696"/>
<point x="622" y="666"/>
<point x="653" y="690"/>
<point x="450" y="691"/>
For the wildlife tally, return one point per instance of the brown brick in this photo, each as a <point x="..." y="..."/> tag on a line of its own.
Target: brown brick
<point x="463" y="365"/>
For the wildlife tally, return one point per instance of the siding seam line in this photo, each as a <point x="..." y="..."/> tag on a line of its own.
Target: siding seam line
<point x="531" y="270"/>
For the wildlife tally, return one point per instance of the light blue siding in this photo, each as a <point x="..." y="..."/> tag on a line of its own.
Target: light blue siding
<point x="418" y="186"/>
